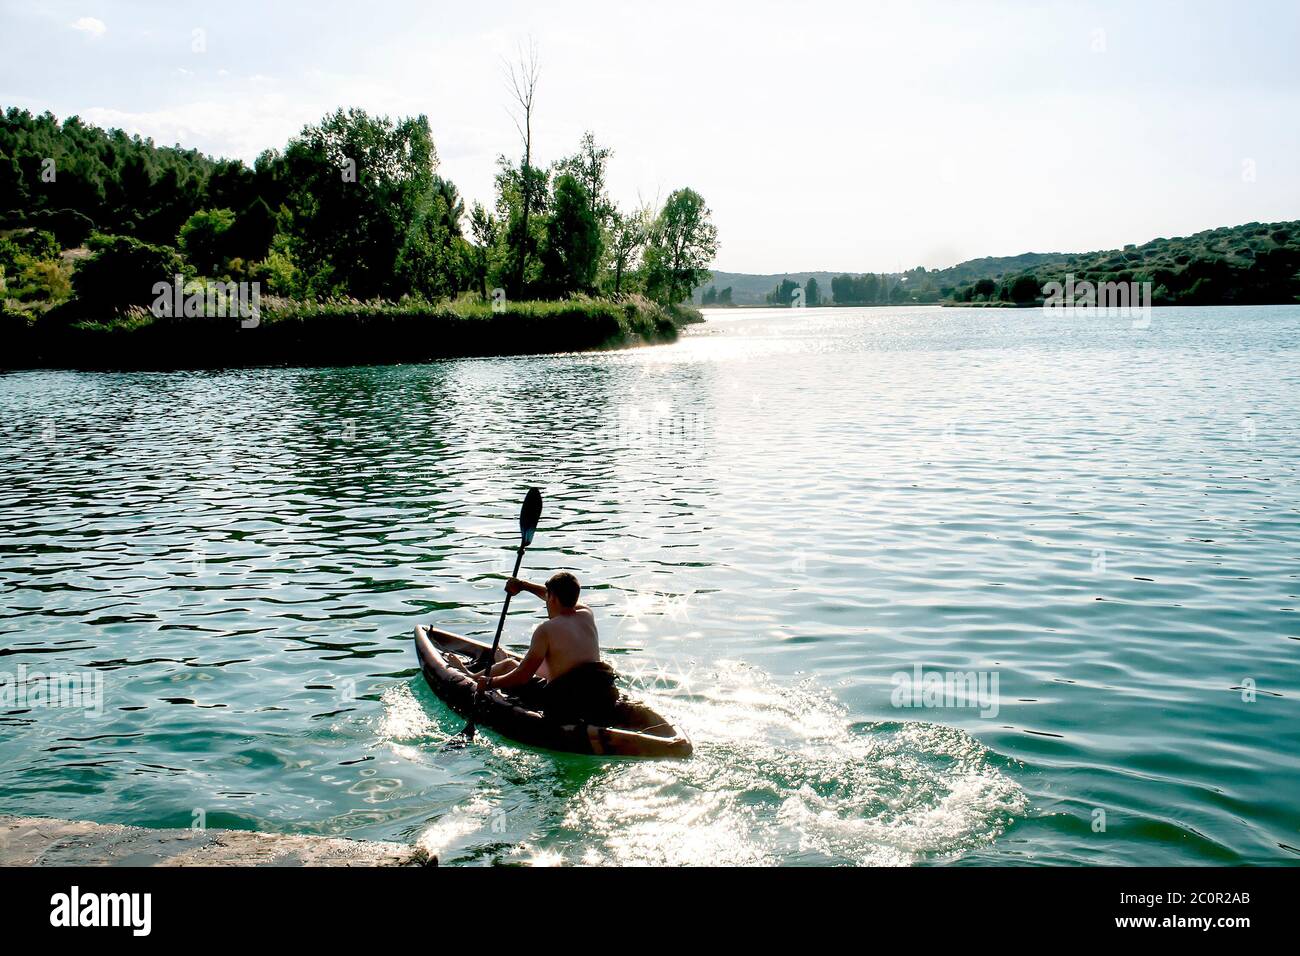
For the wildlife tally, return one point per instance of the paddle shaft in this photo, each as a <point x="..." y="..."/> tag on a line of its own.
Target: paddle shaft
<point x="529" y="515"/>
<point x="496" y="641"/>
<point x="505" y="609"/>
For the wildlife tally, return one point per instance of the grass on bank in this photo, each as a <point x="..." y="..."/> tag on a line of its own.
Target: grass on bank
<point x="336" y="331"/>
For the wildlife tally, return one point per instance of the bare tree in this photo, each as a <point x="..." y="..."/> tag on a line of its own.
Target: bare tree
<point x="521" y="77"/>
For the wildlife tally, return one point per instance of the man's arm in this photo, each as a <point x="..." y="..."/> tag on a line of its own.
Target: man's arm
<point x="526" y="668"/>
<point x="515" y="585"/>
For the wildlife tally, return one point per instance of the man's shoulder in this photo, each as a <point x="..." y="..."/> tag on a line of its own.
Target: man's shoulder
<point x="583" y="618"/>
<point x="574" y="623"/>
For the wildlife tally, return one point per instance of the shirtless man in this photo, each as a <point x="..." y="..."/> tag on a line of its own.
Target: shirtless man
<point x="565" y="650"/>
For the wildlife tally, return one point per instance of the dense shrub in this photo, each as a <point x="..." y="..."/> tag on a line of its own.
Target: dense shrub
<point x="40" y="244"/>
<point x="122" y="272"/>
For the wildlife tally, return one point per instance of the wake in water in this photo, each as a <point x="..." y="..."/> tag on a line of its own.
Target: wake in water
<point x="779" y="776"/>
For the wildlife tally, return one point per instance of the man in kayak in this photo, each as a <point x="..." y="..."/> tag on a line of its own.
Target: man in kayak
<point x="565" y="651"/>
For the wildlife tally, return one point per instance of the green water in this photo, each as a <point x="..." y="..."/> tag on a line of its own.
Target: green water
<point x="773" y="518"/>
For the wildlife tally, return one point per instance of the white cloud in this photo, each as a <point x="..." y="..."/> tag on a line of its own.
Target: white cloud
<point x="218" y="127"/>
<point x="92" y="25"/>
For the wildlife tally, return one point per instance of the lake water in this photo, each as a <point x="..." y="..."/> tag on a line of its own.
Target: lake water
<point x="774" y="518"/>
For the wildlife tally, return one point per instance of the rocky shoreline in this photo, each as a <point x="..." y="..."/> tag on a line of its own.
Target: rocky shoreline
<point x="36" y="841"/>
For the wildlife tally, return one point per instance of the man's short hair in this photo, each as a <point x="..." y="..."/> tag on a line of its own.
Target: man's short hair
<point x="565" y="587"/>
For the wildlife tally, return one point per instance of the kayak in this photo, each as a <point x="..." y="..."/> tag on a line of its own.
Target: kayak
<point x="636" y="730"/>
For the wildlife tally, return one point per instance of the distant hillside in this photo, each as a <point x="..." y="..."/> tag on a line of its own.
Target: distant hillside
<point x="1252" y="264"/>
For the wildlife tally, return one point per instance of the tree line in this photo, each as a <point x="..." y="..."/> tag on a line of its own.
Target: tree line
<point x="352" y="207"/>
<point x="866" y="289"/>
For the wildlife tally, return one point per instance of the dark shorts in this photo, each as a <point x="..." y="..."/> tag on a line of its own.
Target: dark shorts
<point x="585" y="695"/>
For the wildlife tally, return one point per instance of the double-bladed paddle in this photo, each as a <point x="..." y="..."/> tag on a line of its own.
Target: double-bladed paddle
<point x="529" y="515"/>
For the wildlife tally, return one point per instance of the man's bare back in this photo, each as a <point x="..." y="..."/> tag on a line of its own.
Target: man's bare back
<point x="568" y="639"/>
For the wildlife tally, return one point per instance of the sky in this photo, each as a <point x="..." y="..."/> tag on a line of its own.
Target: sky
<point x="856" y="136"/>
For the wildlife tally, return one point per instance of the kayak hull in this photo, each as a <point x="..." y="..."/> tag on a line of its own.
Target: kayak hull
<point x="637" y="730"/>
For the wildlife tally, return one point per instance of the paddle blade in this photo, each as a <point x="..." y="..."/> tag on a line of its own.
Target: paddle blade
<point x="529" y="515"/>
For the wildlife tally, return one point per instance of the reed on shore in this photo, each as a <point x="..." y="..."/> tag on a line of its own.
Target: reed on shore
<point x="335" y="332"/>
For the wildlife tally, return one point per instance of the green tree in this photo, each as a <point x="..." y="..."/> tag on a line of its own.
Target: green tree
<point x="1025" y="288"/>
<point x="277" y="272"/>
<point x="627" y="238"/>
<point x="841" y="289"/>
<point x="254" y="230"/>
<point x="524" y="228"/>
<point x="589" y="167"/>
<point x="204" y="239"/>
<point x="783" y="294"/>
<point x="682" y="244"/>
<point x="571" y="253"/>
<point x="359" y="187"/>
<point x="433" y="262"/>
<point x="812" y="294"/>
<point x="486" y="231"/>
<point x="13" y="190"/>
<point x="873" y="288"/>
<point x="452" y="210"/>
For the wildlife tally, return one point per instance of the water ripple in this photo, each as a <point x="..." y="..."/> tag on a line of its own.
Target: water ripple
<point x="1103" y="519"/>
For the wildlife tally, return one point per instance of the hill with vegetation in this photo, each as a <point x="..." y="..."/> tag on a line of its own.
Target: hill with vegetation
<point x="1252" y="264"/>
